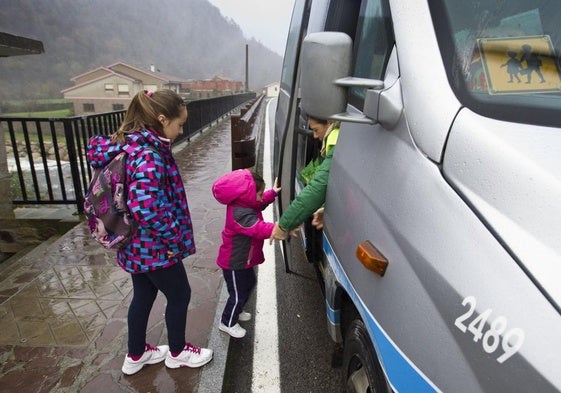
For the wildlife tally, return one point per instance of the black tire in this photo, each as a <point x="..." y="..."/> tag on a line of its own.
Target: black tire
<point x="362" y="372"/>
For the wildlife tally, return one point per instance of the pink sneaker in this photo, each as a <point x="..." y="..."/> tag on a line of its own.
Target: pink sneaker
<point x="191" y="356"/>
<point x="151" y="355"/>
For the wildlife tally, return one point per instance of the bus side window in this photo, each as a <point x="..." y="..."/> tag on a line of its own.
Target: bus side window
<point x="373" y="43"/>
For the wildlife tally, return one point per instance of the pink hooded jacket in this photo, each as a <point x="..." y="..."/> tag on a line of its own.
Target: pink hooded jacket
<point x="244" y="231"/>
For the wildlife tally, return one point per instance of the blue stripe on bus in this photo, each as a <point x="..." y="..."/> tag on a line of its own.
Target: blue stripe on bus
<point x="332" y="315"/>
<point x="402" y="374"/>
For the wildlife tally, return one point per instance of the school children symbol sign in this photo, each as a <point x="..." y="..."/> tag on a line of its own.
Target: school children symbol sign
<point x="520" y="65"/>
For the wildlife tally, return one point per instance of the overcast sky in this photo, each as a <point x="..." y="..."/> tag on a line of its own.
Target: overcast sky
<point x="265" y="20"/>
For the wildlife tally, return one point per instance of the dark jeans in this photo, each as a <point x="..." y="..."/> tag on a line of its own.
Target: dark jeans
<point x="174" y="285"/>
<point x="240" y="284"/>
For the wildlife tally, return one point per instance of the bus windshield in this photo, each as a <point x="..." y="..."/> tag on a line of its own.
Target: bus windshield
<point x="502" y="57"/>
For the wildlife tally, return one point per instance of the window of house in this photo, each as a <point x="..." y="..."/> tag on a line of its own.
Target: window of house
<point x="151" y="87"/>
<point x="88" y="107"/>
<point x="109" y="87"/>
<point x="123" y="90"/>
<point x="118" y="107"/>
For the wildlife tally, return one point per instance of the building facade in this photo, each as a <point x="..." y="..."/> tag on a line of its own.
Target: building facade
<point x="214" y="87"/>
<point x="111" y="88"/>
<point x="272" y="90"/>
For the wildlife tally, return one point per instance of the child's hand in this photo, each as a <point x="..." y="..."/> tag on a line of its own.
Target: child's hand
<point x="276" y="187"/>
<point x="277" y="234"/>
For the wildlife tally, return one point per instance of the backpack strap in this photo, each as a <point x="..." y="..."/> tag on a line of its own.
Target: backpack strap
<point x="133" y="151"/>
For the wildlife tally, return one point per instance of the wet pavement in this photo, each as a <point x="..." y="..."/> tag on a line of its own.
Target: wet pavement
<point x="63" y="306"/>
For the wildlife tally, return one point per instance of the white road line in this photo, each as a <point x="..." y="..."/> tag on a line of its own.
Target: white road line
<point x="266" y="375"/>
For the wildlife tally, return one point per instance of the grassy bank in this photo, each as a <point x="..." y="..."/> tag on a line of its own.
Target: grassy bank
<point x="44" y="114"/>
<point x="55" y="107"/>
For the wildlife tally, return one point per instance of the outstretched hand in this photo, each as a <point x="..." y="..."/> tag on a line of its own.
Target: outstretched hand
<point x="276" y="187"/>
<point x="317" y="221"/>
<point x="279" y="234"/>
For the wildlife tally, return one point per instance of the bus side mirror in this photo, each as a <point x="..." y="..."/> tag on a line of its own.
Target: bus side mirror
<point x="325" y="58"/>
<point x="324" y="81"/>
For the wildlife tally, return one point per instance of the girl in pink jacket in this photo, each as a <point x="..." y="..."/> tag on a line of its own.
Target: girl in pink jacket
<point x="244" y="232"/>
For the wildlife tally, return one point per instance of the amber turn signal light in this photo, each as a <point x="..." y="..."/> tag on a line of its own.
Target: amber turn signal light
<point x="371" y="258"/>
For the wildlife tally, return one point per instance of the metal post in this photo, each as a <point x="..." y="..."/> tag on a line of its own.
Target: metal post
<point x="246" y="67"/>
<point x="6" y="207"/>
<point x="72" y="157"/>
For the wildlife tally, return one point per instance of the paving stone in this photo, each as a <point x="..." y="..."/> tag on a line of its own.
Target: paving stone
<point x="64" y="305"/>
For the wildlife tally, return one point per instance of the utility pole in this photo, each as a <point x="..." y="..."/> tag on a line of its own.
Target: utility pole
<point x="246" y="68"/>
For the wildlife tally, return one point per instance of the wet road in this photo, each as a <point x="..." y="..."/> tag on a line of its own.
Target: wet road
<point x="306" y="354"/>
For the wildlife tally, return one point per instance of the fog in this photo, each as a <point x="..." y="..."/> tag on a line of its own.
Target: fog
<point x="188" y="39"/>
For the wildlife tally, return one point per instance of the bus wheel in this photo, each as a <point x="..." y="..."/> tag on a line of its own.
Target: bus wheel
<point x="362" y="372"/>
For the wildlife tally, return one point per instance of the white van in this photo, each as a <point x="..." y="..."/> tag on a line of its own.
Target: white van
<point x="441" y="248"/>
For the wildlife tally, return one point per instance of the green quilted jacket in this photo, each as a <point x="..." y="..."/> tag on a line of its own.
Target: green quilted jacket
<point x="311" y="198"/>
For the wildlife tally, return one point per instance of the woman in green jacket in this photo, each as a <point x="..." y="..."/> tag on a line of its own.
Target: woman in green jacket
<point x="312" y="197"/>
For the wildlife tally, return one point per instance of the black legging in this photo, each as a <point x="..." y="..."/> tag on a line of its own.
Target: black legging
<point x="174" y="284"/>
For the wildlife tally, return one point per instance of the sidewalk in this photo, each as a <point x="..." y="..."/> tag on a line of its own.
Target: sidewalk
<point x="63" y="306"/>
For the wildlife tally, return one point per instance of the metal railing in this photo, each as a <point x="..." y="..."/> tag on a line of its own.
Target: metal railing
<point x="47" y="157"/>
<point x="244" y="131"/>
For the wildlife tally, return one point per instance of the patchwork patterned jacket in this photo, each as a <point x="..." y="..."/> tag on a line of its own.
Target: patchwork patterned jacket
<point x="156" y="199"/>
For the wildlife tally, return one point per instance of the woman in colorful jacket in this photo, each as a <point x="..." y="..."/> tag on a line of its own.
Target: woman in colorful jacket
<point x="244" y="194"/>
<point x="157" y="202"/>
<point x="312" y="197"/>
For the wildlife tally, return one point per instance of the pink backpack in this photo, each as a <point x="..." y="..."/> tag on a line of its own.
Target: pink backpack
<point x="105" y="205"/>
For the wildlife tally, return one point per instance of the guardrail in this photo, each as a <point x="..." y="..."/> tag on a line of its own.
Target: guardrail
<point x="47" y="157"/>
<point x="244" y="131"/>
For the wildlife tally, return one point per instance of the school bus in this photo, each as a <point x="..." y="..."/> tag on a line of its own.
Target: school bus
<point x="440" y="255"/>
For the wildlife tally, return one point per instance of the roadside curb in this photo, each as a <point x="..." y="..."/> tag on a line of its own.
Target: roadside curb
<point x="212" y="374"/>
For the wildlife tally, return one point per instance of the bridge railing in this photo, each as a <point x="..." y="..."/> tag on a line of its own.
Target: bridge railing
<point x="244" y="132"/>
<point x="46" y="157"/>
